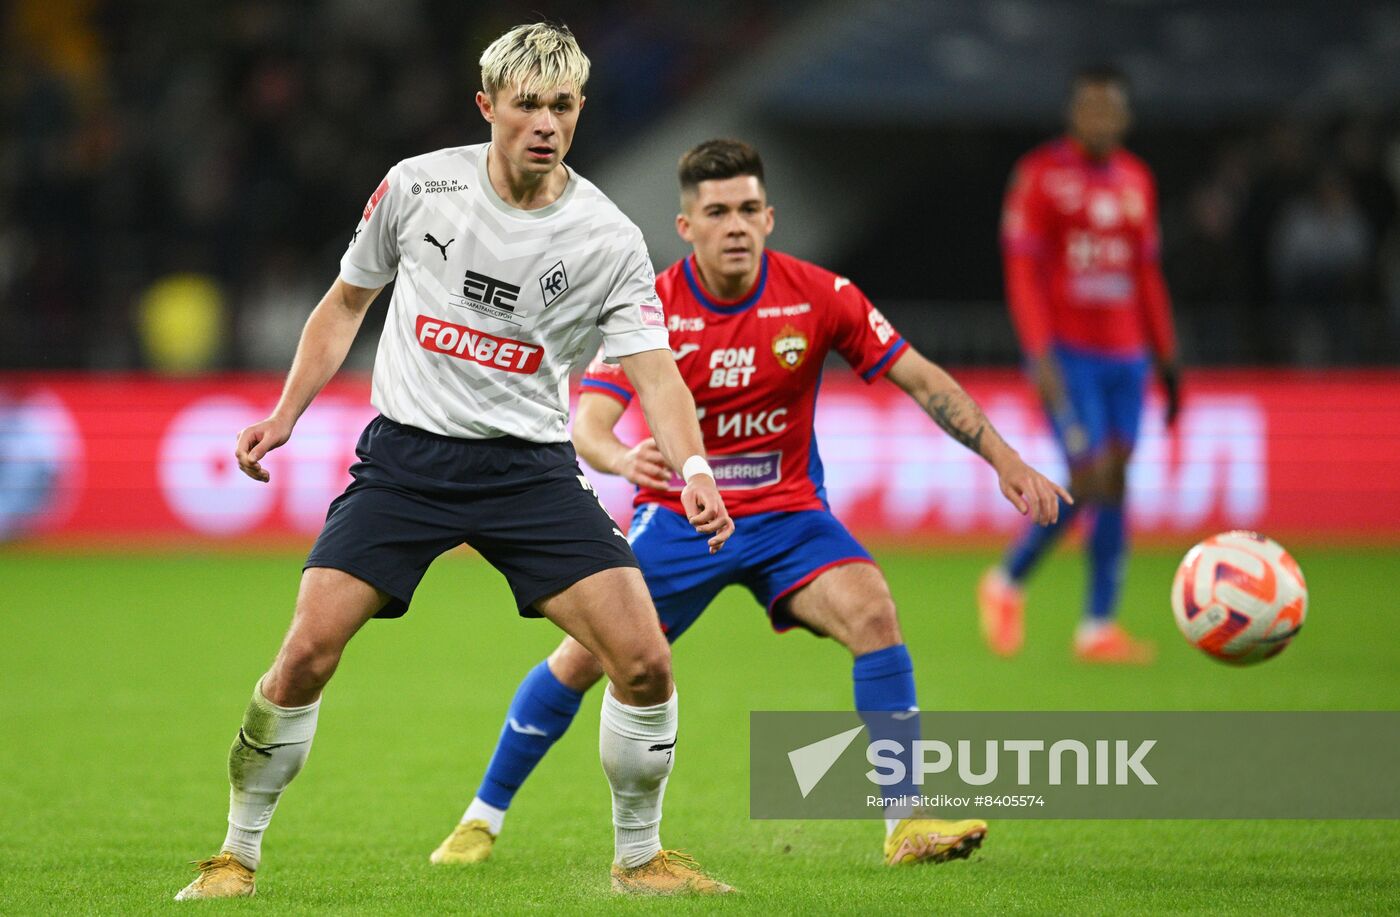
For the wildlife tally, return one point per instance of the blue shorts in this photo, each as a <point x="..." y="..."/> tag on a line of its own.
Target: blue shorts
<point x="1107" y="395"/>
<point x="770" y="554"/>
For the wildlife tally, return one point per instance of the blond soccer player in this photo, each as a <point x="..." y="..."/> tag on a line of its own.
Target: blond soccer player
<point x="510" y="266"/>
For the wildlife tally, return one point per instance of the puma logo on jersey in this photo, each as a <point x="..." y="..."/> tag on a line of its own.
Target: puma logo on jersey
<point x="428" y="237"/>
<point x="686" y="350"/>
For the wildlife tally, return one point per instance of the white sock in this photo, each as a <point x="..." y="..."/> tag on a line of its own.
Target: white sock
<point x="270" y="749"/>
<point x="488" y="813"/>
<point x="637" y="745"/>
<point x="1089" y="628"/>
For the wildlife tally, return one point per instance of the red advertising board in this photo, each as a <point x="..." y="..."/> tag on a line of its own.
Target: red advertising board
<point x="119" y="459"/>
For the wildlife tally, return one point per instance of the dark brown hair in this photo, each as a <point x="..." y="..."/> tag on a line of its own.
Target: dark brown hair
<point x="1100" y="74"/>
<point x="716" y="159"/>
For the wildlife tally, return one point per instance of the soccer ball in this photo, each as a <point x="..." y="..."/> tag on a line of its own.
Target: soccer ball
<point x="1239" y="597"/>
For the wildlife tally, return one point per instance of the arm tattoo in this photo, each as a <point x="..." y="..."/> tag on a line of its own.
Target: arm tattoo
<point x="959" y="417"/>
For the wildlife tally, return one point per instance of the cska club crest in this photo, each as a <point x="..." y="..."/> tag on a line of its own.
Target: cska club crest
<point x="790" y="347"/>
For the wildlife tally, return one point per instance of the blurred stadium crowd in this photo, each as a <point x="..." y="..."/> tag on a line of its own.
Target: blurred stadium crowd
<point x="177" y="181"/>
<point x="1291" y="233"/>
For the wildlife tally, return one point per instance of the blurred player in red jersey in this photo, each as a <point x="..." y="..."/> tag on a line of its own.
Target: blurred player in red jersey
<point x="1083" y="279"/>
<point x="751" y="329"/>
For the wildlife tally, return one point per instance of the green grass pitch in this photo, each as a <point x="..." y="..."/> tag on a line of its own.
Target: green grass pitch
<point x="125" y="676"/>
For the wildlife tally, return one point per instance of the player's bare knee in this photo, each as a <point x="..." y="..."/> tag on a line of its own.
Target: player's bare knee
<point x="303" y="668"/>
<point x="644" y="679"/>
<point x="1079" y="483"/>
<point x="1084" y="483"/>
<point x="1115" y="479"/>
<point x="870" y="625"/>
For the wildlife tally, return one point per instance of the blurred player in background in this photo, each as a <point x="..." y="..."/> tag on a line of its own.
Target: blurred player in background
<point x="1080" y="237"/>
<point x="509" y="268"/>
<point x="751" y="329"/>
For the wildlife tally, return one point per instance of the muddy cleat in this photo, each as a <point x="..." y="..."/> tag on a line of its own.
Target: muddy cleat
<point x="1001" y="606"/>
<point x="928" y="840"/>
<point x="219" y="877"/>
<point x="1111" y="644"/>
<point x="469" y="842"/>
<point x="670" y="872"/>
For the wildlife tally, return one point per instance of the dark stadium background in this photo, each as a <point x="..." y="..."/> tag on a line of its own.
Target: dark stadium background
<point x="238" y="141"/>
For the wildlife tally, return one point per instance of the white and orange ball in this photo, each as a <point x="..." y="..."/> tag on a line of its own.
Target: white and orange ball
<point x="1239" y="597"/>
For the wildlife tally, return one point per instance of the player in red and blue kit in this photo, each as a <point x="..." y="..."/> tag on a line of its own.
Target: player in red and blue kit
<point x="1083" y="279"/>
<point x="750" y="330"/>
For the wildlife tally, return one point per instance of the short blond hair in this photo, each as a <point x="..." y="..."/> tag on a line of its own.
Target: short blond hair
<point x="534" y="58"/>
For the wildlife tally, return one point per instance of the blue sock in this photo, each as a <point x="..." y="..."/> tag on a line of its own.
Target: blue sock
<point x="1108" y="548"/>
<point x="1037" y="540"/>
<point x="884" y="681"/>
<point x="539" y="714"/>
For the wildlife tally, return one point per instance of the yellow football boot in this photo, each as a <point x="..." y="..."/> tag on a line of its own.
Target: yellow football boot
<point x="470" y="842"/>
<point x="929" y="840"/>
<point x="670" y="872"/>
<point x="219" y="877"/>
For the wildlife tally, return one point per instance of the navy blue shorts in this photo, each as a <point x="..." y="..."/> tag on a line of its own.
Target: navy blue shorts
<point x="525" y="507"/>
<point x="771" y="554"/>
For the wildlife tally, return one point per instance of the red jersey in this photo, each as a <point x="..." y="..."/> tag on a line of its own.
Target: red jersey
<point x="754" y="365"/>
<point x="1081" y="250"/>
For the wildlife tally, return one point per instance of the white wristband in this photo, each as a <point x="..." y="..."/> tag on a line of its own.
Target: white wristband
<point x="694" y="465"/>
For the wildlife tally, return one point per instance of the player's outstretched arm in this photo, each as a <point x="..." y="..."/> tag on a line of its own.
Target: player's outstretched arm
<point x="670" y="413"/>
<point x="325" y="341"/>
<point x="594" y="423"/>
<point x="959" y="416"/>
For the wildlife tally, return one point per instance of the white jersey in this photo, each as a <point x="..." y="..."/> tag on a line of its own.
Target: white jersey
<point x="494" y="305"/>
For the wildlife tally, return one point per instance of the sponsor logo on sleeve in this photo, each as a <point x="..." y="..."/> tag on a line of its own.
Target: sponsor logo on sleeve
<point x="478" y="347"/>
<point x="553" y="283"/>
<point x="880" y="325"/>
<point x="790" y="347"/>
<point x="653" y="317"/>
<point x="376" y="197"/>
